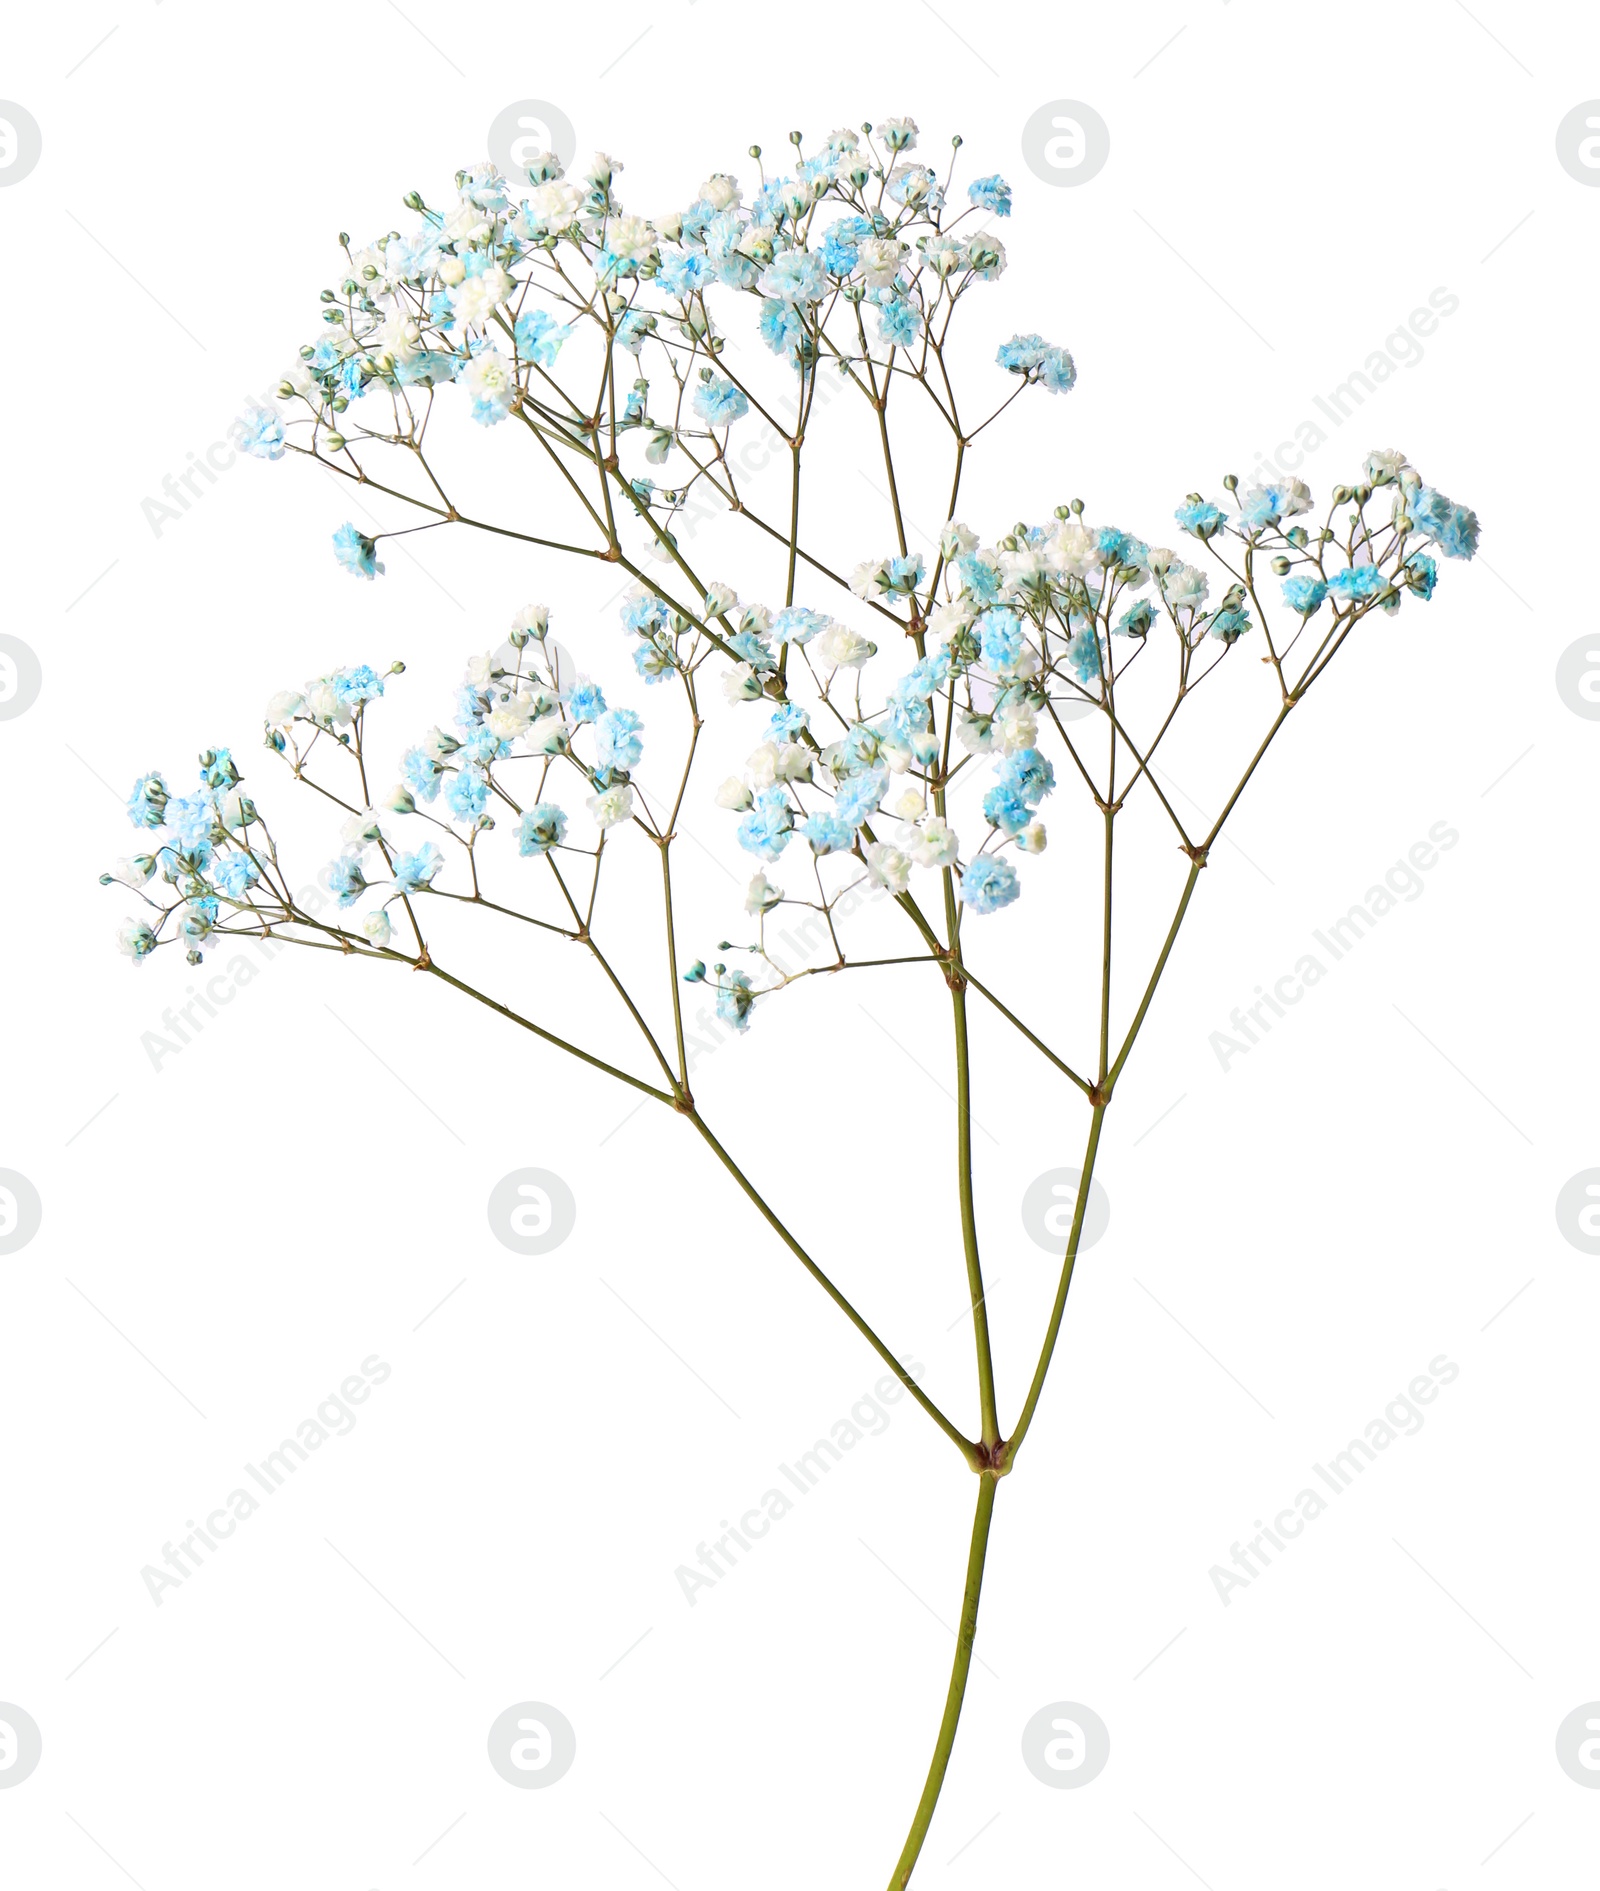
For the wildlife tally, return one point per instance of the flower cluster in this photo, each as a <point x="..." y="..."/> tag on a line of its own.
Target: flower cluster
<point x="595" y="327"/>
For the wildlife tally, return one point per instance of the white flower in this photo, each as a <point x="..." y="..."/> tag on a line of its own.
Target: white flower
<point x="551" y="207"/>
<point x="134" y="872"/>
<point x="1185" y="587"/>
<point x="532" y="620"/>
<point x="1022" y="568"/>
<point x="1383" y="464"/>
<point x="763" y="765"/>
<point x="399" y="800"/>
<point x="955" y="541"/>
<point x="1071" y="549"/>
<point x="436" y="745"/>
<point x="480" y="295"/>
<point x="490" y="377"/>
<point x="733" y="795"/>
<point x="887" y="866"/>
<point x="720" y="599"/>
<point x="761" y="895"/>
<point x="398" y="335"/>
<point x="934" y="842"/>
<point x="600" y="170"/>
<point x="480" y="667"/>
<point x="740" y="684"/>
<point x="614" y="805"/>
<point x="549" y="736"/>
<point x="870" y="579"/>
<point x="631" y="239"/>
<point x="325" y="705"/>
<point x="284" y="707"/>
<point x="510" y="718"/>
<point x="950" y="619"/>
<point x="720" y="191"/>
<point x="452" y="271"/>
<point x="844" y="648"/>
<point x="794" y="762"/>
<point x="899" y="134"/>
<point x="879" y="258"/>
<point x="135" y="938"/>
<point x="376" y="928"/>
<point x="1018" y="728"/>
<point x="976" y="734"/>
<point x="909" y="806"/>
<point x="1032" y="838"/>
<point x="360" y="830"/>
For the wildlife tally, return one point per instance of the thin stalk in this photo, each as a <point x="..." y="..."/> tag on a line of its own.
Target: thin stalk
<point x="969" y="1221"/>
<point x="1009" y="1450"/>
<point x="968" y="1449"/>
<point x="988" y="1484"/>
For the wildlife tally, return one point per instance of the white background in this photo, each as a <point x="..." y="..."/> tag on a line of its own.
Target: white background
<point x="232" y="1233"/>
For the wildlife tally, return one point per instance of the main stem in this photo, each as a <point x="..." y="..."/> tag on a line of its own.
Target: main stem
<point x="966" y="1634"/>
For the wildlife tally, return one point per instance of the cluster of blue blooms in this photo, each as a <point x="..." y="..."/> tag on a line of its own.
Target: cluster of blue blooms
<point x="1008" y="636"/>
<point x="214" y="853"/>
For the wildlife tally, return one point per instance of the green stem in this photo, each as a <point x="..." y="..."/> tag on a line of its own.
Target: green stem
<point x="1009" y="1450"/>
<point x="965" y="1636"/>
<point x="969" y="1220"/>
<point x="969" y="1451"/>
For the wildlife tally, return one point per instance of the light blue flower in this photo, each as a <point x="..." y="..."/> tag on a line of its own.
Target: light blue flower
<point x="719" y="403"/>
<point x="899" y="322"/>
<point x="988" y="884"/>
<point x="344" y="878"/>
<point x="734" y="1001"/>
<point x="422" y="774"/>
<point x="236" y="873"/>
<point x="1006" y="810"/>
<point x="1034" y="358"/>
<point x="1136" y="620"/>
<point x="1304" y="594"/>
<point x="356" y="552"/>
<point x="1356" y="582"/>
<point x="653" y="662"/>
<point x="856" y="799"/>
<point x="840" y="244"/>
<point x="261" y="433"/>
<point x="148" y="801"/>
<point x="766" y="829"/>
<point x="992" y="194"/>
<point x="1423" y="574"/>
<point x="782" y="327"/>
<point x="539" y="337"/>
<point x="788" y="722"/>
<point x="468" y="793"/>
<point x="190" y="820"/>
<point x="682" y="273"/>
<point x="1028" y="775"/>
<point x="795" y="624"/>
<point x="543" y="826"/>
<point x="1230" y="624"/>
<point x="1201" y="517"/>
<point x="413" y="873"/>
<point x="586" y="702"/>
<point x="617" y="743"/>
<point x="828" y="834"/>
<point x="796" y="276"/>
<point x="1451" y="527"/>
<point x="1002" y="641"/>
